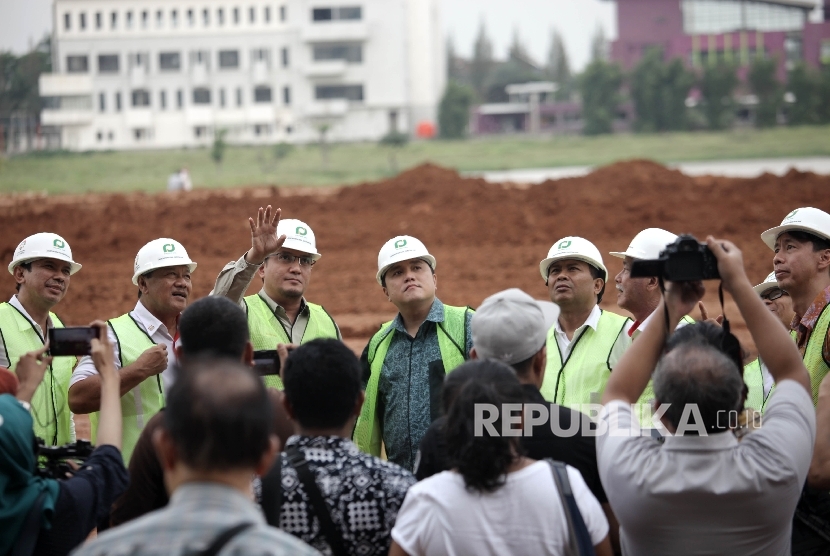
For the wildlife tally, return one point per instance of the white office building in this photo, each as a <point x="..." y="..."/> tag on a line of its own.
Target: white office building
<point x="132" y="74"/>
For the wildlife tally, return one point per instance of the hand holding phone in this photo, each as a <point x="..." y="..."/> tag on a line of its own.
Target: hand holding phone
<point x="266" y="362"/>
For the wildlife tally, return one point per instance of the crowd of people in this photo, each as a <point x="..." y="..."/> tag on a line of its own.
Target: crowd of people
<point x="521" y="427"/>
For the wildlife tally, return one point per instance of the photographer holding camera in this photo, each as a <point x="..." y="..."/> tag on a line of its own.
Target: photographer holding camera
<point x="702" y="491"/>
<point x="47" y="516"/>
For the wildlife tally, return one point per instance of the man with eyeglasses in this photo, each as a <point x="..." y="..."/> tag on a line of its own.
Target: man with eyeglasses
<point x="282" y="253"/>
<point x="756" y="375"/>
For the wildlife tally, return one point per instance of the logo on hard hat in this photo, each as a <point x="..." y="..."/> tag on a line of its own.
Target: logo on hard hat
<point x="564" y="245"/>
<point x="168" y="248"/>
<point x="791" y="214"/>
<point x="300" y="231"/>
<point x="400" y="243"/>
<point x="59" y="244"/>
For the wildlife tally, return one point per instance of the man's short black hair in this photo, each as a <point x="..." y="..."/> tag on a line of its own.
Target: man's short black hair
<point x="218" y="415"/>
<point x="216" y="326"/>
<point x="819" y="243"/>
<point x="322" y="383"/>
<point x="28" y="267"/>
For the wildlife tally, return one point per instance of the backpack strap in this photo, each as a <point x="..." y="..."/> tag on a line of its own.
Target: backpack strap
<point x="330" y="531"/>
<point x="579" y="540"/>
<point x="224" y="538"/>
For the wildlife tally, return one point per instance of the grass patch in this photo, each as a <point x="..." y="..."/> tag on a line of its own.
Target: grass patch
<point x="64" y="172"/>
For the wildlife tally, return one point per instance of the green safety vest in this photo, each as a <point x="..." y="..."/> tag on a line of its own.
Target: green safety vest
<point x="754" y="380"/>
<point x="645" y="408"/>
<point x="452" y="342"/>
<point x="814" y="360"/>
<point x="50" y="407"/>
<point x="142" y="402"/>
<point x="582" y="377"/>
<point x="267" y="331"/>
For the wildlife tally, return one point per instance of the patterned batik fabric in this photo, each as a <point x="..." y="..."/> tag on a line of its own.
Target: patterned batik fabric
<point x="363" y="494"/>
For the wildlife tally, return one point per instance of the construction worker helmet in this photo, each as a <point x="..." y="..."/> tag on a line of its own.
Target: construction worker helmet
<point x="401" y="248"/>
<point x="647" y="244"/>
<point x="806" y="219"/>
<point x="44" y="245"/>
<point x="768" y="283"/>
<point x="573" y="248"/>
<point x="160" y="253"/>
<point x="298" y="236"/>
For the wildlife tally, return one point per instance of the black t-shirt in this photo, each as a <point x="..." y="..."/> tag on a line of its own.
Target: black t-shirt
<point x="578" y="451"/>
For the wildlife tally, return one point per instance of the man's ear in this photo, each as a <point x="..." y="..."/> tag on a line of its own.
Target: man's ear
<point x="358" y="404"/>
<point x="653" y="283"/>
<point x="267" y="459"/>
<point x="823" y="259"/>
<point x="289" y="410"/>
<point x="142" y="285"/>
<point x="385" y="292"/>
<point x="248" y="354"/>
<point x="165" y="449"/>
<point x="599" y="283"/>
<point x="435" y="279"/>
<point x="18" y="274"/>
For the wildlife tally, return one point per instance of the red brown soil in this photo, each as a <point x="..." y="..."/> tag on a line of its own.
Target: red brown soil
<point x="486" y="237"/>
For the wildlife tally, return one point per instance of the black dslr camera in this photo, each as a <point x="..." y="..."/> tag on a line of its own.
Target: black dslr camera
<point x="52" y="459"/>
<point x="685" y="260"/>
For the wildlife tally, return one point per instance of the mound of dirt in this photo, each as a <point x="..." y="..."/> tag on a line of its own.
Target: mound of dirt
<point x="486" y="237"/>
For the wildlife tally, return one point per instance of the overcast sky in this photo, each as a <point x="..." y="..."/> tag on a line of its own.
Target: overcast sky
<point x="24" y="22"/>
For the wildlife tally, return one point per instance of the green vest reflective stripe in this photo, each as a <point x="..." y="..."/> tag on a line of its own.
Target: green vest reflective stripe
<point x="142" y="402"/>
<point x="582" y="378"/>
<point x="50" y="408"/>
<point x="267" y="331"/>
<point x="645" y="407"/>
<point x="817" y="366"/>
<point x="754" y="380"/>
<point x="452" y="342"/>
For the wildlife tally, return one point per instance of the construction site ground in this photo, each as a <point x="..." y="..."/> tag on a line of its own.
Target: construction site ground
<point x="485" y="236"/>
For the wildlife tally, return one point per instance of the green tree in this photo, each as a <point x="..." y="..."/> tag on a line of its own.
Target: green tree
<point x="454" y="111"/>
<point x="659" y="92"/>
<point x="19" y="76"/>
<point x="599" y="45"/>
<point x="482" y="61"/>
<point x="599" y="86"/>
<point x="559" y="68"/>
<point x="717" y="84"/>
<point x="507" y="73"/>
<point x="804" y="84"/>
<point x="765" y="86"/>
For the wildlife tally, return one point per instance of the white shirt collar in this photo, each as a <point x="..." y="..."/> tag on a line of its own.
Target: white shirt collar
<point x="592" y="320"/>
<point x="15" y="302"/>
<point x="148" y="320"/>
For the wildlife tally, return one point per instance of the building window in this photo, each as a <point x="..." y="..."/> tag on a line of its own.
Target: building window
<point x="159" y="18"/>
<point x="118" y="101"/>
<point x="99" y="20"/>
<point x="205" y="17"/>
<point x="108" y="63"/>
<point x="99" y="136"/>
<point x="348" y="92"/>
<point x="228" y="59"/>
<point x="221" y="98"/>
<point x="141" y="134"/>
<point x="139" y="60"/>
<point x="67" y="22"/>
<point x="174" y="18"/>
<point x="82" y="21"/>
<point x="199" y="58"/>
<point x="236" y="16"/>
<point x="267" y="14"/>
<point x="200" y="131"/>
<point x="141" y="97"/>
<point x="283" y="13"/>
<point x="349" y="52"/>
<point x="286" y="96"/>
<point x="191" y="21"/>
<point x="262" y="129"/>
<point x="163" y="99"/>
<point x="344" y="13"/>
<point x="170" y="61"/>
<point x="285" y="59"/>
<point x="201" y="95"/>
<point x="113" y="20"/>
<point x="262" y="94"/>
<point x="252" y="14"/>
<point x="239" y="96"/>
<point x="102" y="102"/>
<point x="179" y="99"/>
<point x="77" y="64"/>
<point x="110" y="136"/>
<point x="145" y="19"/>
<point x="220" y="17"/>
<point x="129" y="20"/>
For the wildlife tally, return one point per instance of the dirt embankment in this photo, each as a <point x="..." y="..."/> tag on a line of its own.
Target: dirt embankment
<point x="486" y="237"/>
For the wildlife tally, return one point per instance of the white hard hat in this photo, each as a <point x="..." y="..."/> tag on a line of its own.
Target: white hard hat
<point x="43" y="246"/>
<point x="298" y="236"/>
<point x="401" y="248"/>
<point x="573" y="248"/>
<point x="160" y="253"/>
<point x="647" y="244"/>
<point x="768" y="283"/>
<point x="806" y="219"/>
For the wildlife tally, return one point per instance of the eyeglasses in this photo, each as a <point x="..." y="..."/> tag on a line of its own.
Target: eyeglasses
<point x="288" y="258"/>
<point x="773" y="294"/>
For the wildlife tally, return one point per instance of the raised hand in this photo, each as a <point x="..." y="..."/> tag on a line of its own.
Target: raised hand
<point x="264" y="240"/>
<point x="102" y="355"/>
<point x="730" y="263"/>
<point x="30" y="371"/>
